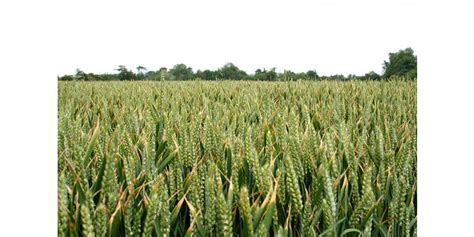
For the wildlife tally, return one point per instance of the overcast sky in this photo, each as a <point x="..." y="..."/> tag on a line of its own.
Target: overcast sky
<point x="330" y="37"/>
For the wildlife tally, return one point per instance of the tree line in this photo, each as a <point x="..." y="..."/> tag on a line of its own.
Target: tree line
<point x="400" y="64"/>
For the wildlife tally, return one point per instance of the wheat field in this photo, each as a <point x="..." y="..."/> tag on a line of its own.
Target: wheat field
<point x="199" y="158"/>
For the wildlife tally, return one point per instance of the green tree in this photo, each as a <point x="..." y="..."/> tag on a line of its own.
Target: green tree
<point x="401" y="63"/>
<point x="141" y="70"/>
<point x="230" y="71"/>
<point x="287" y="75"/>
<point x="162" y="74"/>
<point x="66" y="78"/>
<point x="264" y="75"/>
<point x="207" y="75"/>
<point x="93" y="77"/>
<point x="150" y="75"/>
<point x="272" y="75"/>
<point x="301" y="76"/>
<point x="80" y="75"/>
<point x="125" y="74"/>
<point x="198" y="74"/>
<point x="259" y="75"/>
<point x="181" y="72"/>
<point x="372" y="76"/>
<point x="337" y="77"/>
<point x="312" y="75"/>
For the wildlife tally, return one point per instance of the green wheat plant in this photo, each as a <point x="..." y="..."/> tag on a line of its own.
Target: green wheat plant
<point x="228" y="158"/>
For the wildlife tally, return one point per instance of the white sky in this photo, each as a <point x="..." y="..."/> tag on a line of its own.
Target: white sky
<point x="333" y="38"/>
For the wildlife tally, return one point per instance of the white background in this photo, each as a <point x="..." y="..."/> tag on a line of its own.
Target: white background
<point x="42" y="39"/>
<point x="350" y="37"/>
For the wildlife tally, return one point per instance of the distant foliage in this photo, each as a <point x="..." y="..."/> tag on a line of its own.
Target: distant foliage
<point x="401" y="65"/>
<point x="230" y="71"/>
<point x="125" y="74"/>
<point x="265" y="75"/>
<point x="181" y="72"/>
<point x="372" y="76"/>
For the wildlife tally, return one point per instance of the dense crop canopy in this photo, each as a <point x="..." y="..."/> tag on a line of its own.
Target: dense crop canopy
<point x="237" y="158"/>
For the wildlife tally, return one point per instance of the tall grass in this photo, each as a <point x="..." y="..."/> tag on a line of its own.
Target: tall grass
<point x="237" y="158"/>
